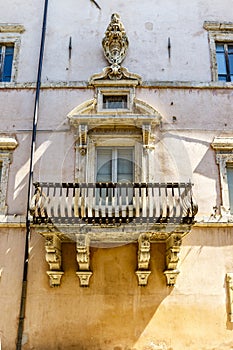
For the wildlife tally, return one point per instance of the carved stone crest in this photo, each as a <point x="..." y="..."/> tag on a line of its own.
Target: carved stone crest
<point x="115" y="42"/>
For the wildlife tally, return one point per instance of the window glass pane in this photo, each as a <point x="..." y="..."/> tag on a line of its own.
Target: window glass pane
<point x="114" y="102"/>
<point x="104" y="165"/>
<point x="221" y="62"/>
<point x="8" y="63"/>
<point x="125" y="165"/>
<point x="230" y="186"/>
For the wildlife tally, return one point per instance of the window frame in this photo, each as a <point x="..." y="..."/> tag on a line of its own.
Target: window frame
<point x="10" y="34"/>
<point x="109" y="92"/>
<point x="111" y="140"/>
<point x="3" y="61"/>
<point x="114" y="158"/>
<point x="218" y="32"/>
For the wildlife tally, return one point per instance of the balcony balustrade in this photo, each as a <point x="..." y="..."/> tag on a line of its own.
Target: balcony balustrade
<point x="113" y="203"/>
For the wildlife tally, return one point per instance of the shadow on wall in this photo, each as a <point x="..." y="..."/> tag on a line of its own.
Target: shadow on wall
<point x="112" y="313"/>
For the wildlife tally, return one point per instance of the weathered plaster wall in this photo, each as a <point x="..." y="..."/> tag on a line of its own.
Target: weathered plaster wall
<point x="11" y="273"/>
<point x="114" y="313"/>
<point x="182" y="21"/>
<point x="182" y="146"/>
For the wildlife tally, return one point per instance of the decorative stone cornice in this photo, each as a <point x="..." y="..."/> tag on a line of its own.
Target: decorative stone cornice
<point x="11" y="28"/>
<point x="8" y="143"/>
<point x="217" y="26"/>
<point x="223" y="143"/>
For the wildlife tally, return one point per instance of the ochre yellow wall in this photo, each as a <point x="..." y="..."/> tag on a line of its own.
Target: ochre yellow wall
<point x="114" y="313"/>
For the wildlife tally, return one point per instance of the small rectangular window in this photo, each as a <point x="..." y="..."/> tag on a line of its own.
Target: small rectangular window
<point x="230" y="185"/>
<point x="115" y="101"/>
<point x="6" y="61"/>
<point x="224" y="56"/>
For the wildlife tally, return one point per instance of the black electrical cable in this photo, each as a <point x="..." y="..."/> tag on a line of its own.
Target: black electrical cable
<point x="30" y="179"/>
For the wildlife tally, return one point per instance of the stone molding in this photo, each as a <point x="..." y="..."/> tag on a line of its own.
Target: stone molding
<point x="218" y="26"/>
<point x="11" y="28"/>
<point x="9" y="35"/>
<point x="217" y="32"/>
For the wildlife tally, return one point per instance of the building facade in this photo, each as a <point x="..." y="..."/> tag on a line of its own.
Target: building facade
<point x="116" y="167"/>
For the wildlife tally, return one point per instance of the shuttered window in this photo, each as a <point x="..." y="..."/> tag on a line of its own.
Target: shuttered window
<point x="6" y="61"/>
<point x="224" y="56"/>
<point x="230" y="185"/>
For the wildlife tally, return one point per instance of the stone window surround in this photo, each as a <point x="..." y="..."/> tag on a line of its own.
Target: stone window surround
<point x="112" y="140"/>
<point x="11" y="34"/>
<point x="116" y="91"/>
<point x="217" y="32"/>
<point x="223" y="147"/>
<point x="7" y="145"/>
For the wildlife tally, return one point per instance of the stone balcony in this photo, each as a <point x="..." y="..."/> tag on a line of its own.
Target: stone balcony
<point x="110" y="214"/>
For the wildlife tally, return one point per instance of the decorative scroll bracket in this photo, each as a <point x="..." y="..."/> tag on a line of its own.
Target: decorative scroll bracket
<point x="83" y="259"/>
<point x="82" y="131"/>
<point x="172" y="258"/>
<point x="53" y="258"/>
<point x="147" y="136"/>
<point x="143" y="271"/>
<point x="229" y="280"/>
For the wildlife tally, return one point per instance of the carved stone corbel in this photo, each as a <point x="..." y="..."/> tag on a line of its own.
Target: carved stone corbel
<point x="83" y="259"/>
<point x="229" y="280"/>
<point x="172" y="258"/>
<point x="143" y="271"/>
<point x="53" y="258"/>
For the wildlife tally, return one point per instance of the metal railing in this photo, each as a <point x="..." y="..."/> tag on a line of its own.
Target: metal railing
<point x="111" y="203"/>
